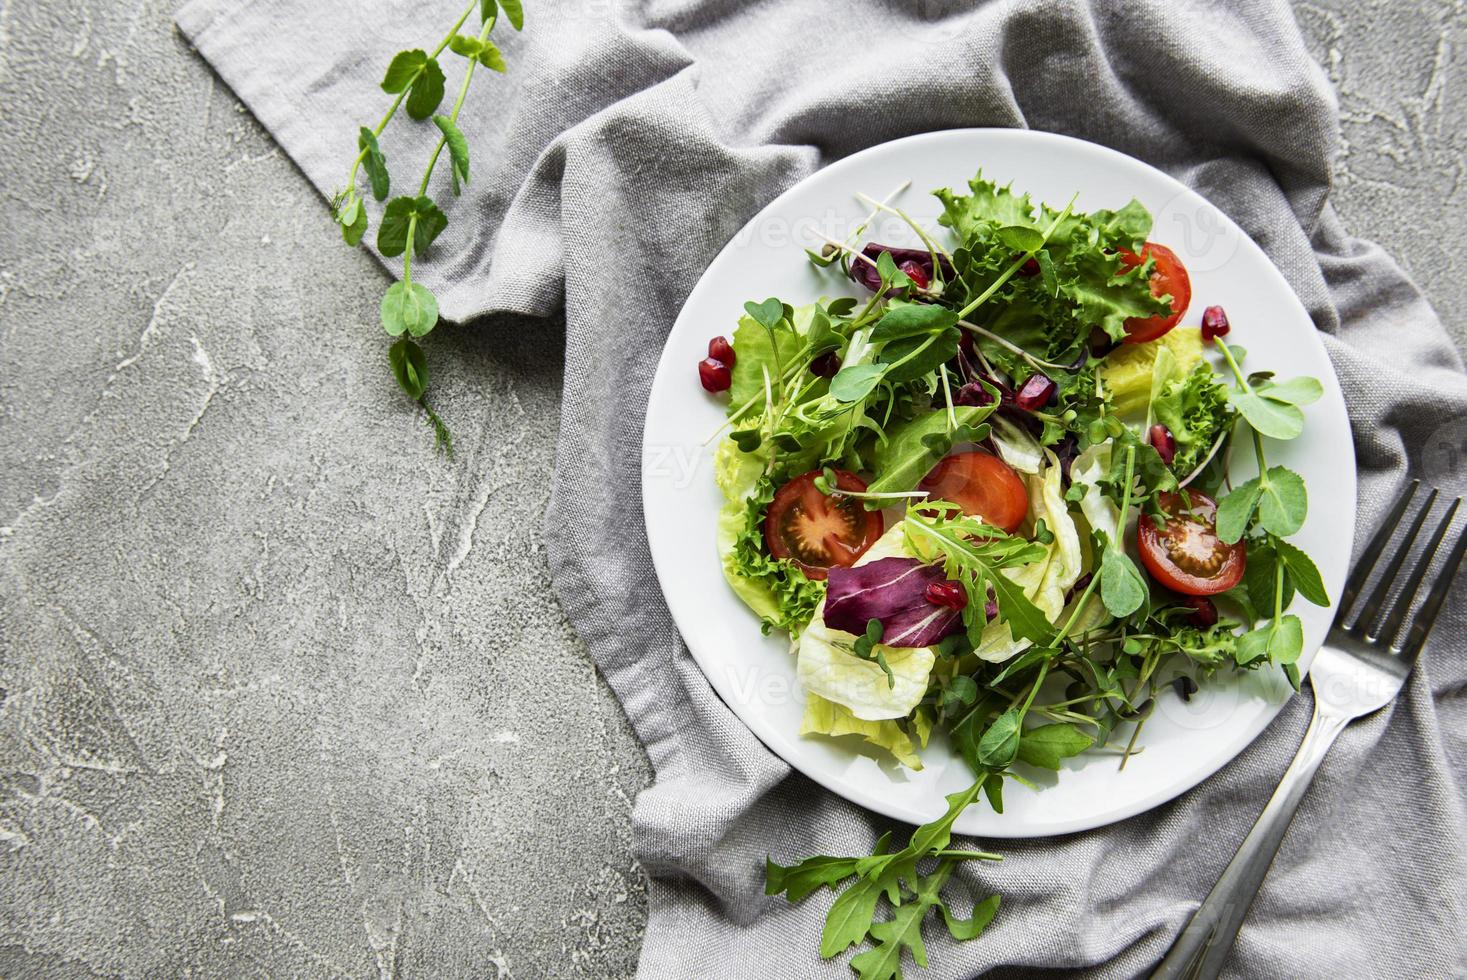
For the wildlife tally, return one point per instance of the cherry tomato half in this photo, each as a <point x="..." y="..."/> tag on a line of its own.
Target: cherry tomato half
<point x="1168" y="278"/>
<point x="817" y="532"/>
<point x="982" y="485"/>
<point x="1186" y="555"/>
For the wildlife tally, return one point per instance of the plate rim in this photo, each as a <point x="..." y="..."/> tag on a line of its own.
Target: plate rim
<point x="759" y="725"/>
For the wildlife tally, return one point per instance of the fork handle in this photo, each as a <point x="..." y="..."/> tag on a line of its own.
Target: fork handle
<point x="1200" y="950"/>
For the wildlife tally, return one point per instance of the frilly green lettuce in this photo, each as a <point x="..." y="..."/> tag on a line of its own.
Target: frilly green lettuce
<point x="778" y="592"/>
<point x="824" y="717"/>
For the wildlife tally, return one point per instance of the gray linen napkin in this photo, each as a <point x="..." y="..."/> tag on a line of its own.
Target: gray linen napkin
<point x="631" y="140"/>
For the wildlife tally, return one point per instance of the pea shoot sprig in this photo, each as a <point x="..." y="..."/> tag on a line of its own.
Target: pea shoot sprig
<point x="411" y="223"/>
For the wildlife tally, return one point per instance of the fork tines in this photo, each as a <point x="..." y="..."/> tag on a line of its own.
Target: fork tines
<point x="1381" y="619"/>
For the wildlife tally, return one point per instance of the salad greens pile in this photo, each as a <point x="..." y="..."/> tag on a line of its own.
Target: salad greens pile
<point x="941" y="491"/>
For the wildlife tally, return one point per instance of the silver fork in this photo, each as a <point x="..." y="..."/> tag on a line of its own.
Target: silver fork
<point x="1359" y="670"/>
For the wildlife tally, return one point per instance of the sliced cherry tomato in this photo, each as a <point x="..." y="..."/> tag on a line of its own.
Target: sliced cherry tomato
<point x="1168" y="278"/>
<point x="817" y="532"/>
<point x="1186" y="555"/>
<point x="982" y="485"/>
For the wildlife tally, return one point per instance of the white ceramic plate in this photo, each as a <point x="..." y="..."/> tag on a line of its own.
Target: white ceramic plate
<point x="1183" y="743"/>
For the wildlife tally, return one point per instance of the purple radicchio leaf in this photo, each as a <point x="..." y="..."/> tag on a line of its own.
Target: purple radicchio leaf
<point x="892" y="590"/>
<point x="865" y="272"/>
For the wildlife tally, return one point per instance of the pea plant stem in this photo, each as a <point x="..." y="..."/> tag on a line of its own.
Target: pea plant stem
<point x="392" y="110"/>
<point x="458" y="103"/>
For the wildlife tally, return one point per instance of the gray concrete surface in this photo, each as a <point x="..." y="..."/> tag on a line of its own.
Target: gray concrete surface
<point x="258" y="716"/>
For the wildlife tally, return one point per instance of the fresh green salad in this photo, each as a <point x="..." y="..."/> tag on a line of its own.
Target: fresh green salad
<point x="992" y="497"/>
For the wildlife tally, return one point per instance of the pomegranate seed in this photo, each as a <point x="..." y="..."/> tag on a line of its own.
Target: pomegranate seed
<point x="1036" y="393"/>
<point x="714" y="374"/>
<point x="1214" y="323"/>
<point x="1204" y="613"/>
<point x="949" y="594"/>
<point x="826" y="365"/>
<point x="721" y="350"/>
<point x="972" y="394"/>
<point x="1030" y="268"/>
<point x="916" y="273"/>
<point x="1163" y="443"/>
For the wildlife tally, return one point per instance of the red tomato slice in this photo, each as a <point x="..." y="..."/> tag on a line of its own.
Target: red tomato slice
<point x="1186" y="555"/>
<point x="817" y="532"/>
<point x="982" y="485"/>
<point x="1168" y="278"/>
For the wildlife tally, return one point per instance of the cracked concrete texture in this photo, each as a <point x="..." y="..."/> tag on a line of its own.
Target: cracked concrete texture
<point x="280" y="692"/>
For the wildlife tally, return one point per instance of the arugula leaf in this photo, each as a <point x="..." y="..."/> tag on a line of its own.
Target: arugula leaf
<point x="935" y="836"/>
<point x="458" y="150"/>
<point x="410" y="307"/>
<point x="903" y="931"/>
<point x="970" y="928"/>
<point x="849" y="918"/>
<point x="993" y="790"/>
<point x="409" y="367"/>
<point x="811" y="874"/>
<point x="913" y="357"/>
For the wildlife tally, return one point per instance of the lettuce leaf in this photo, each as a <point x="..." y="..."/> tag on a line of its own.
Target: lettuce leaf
<point x="1086" y="472"/>
<point x="779" y="593"/>
<point x="1196" y="410"/>
<point x="1081" y="282"/>
<point x="904" y="459"/>
<point x="824" y="717"/>
<point x="1127" y="372"/>
<point x="828" y="668"/>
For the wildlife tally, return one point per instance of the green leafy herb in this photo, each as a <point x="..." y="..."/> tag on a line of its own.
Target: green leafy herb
<point x="1047" y="745"/>
<point x="411" y="223"/>
<point x="896" y="880"/>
